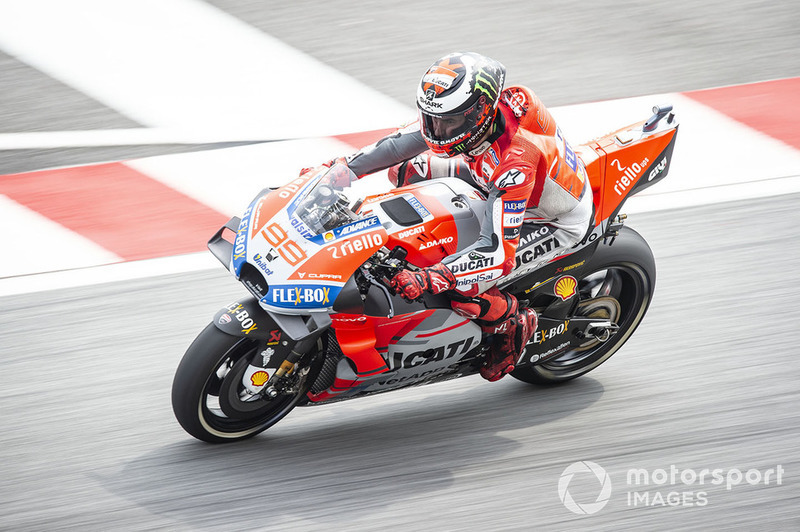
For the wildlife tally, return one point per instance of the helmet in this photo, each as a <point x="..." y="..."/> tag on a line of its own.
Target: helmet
<point x="457" y="98"/>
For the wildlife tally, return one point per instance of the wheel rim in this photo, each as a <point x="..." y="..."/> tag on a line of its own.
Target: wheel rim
<point x="226" y="378"/>
<point x="628" y="286"/>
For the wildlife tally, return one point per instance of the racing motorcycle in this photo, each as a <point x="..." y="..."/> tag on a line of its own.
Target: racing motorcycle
<point x="321" y="324"/>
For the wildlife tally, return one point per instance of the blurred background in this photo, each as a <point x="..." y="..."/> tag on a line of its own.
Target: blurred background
<point x="708" y="381"/>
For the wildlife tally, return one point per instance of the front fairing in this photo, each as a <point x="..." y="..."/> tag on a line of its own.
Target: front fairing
<point x="296" y="246"/>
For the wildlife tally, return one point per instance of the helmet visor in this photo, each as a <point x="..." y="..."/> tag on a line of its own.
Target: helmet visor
<point x="448" y="128"/>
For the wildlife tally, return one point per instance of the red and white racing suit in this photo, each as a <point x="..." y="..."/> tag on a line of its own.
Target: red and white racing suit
<point x="539" y="201"/>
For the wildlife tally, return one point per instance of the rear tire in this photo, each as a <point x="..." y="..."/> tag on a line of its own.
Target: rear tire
<point x="618" y="279"/>
<point x="211" y="368"/>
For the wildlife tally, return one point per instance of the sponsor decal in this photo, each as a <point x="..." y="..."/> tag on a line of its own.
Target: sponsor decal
<point x="629" y="174"/>
<point x="571" y="267"/>
<point x="516" y="101"/>
<point x="420" y="164"/>
<point x="421" y="210"/>
<point x="271" y="255"/>
<point x="259" y="378"/>
<point x="300" y="227"/>
<point x="365" y="242"/>
<point x="355" y="227"/>
<point x="428" y="103"/>
<point x="490" y="161"/>
<point x="266" y="356"/>
<point x="515" y="206"/>
<point x="531" y="253"/>
<point x="485" y="83"/>
<point x="541" y="336"/>
<point x="347" y="230"/>
<point x="240" y="243"/>
<point x="255" y="287"/>
<point x="493" y="156"/>
<point x="509" y="179"/>
<point x="466" y="282"/>
<point x="540" y="357"/>
<point x="474" y="264"/>
<point x="565" y="287"/>
<point x="658" y="169"/>
<point x="591" y="237"/>
<point x="287" y="191"/>
<point x="262" y="263"/>
<point x="534" y="235"/>
<point x="237" y="311"/>
<point x="256" y="224"/>
<point x="438" y="79"/>
<point x="435" y="372"/>
<point x="513" y="214"/>
<point x="331" y="276"/>
<point x="434" y="354"/>
<point x="225" y="318"/>
<point x="510" y="233"/>
<point x="274" y="337"/>
<point x="434" y="243"/>
<point x="566" y="151"/>
<point x="301" y="296"/>
<point x="409" y="232"/>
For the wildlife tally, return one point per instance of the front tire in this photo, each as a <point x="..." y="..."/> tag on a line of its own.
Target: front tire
<point x="617" y="284"/>
<point x="206" y="383"/>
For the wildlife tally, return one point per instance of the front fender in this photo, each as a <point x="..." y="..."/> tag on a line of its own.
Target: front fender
<point x="246" y="318"/>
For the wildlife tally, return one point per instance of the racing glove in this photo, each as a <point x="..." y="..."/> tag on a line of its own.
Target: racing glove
<point x="341" y="179"/>
<point x="435" y="279"/>
<point x="326" y="164"/>
<point x="411" y="171"/>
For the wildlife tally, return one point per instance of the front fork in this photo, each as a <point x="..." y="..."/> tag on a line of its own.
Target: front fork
<point x="257" y="379"/>
<point x="282" y="337"/>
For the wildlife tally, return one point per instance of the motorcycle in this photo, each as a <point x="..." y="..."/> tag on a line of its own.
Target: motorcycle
<point x="322" y="325"/>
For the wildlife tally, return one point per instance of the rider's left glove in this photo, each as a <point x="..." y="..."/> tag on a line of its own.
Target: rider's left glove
<point x="435" y="279"/>
<point x="327" y="164"/>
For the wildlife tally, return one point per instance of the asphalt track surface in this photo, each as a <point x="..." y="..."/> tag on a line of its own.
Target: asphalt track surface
<point x="708" y="381"/>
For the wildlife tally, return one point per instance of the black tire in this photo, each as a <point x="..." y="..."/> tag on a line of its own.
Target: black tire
<point x="623" y="272"/>
<point x="211" y="368"/>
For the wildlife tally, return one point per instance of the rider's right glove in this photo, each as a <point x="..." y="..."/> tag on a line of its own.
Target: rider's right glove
<point x="435" y="279"/>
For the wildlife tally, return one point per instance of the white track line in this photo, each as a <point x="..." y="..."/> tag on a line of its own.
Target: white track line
<point x="110" y="273"/>
<point x="42" y="245"/>
<point x="185" y="64"/>
<point x="102" y="138"/>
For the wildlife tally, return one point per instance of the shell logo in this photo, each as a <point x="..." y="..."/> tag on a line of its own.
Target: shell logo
<point x="259" y="378"/>
<point x="565" y="287"/>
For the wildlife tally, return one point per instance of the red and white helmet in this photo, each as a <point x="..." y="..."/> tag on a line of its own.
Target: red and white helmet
<point x="457" y="99"/>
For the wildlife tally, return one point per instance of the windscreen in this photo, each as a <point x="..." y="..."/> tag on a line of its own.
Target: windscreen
<point x="325" y="206"/>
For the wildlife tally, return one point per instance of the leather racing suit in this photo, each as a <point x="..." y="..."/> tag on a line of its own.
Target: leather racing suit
<point x="539" y="201"/>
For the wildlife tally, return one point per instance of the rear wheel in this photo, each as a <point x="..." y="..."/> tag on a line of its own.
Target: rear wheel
<point x="616" y="285"/>
<point x="207" y="392"/>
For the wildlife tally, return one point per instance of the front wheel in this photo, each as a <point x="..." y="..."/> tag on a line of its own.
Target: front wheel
<point x="206" y="390"/>
<point x="616" y="285"/>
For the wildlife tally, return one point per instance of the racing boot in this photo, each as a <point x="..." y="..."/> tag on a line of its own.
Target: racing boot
<point x="514" y="334"/>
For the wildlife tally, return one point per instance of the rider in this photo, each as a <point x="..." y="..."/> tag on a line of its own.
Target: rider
<point x="506" y="143"/>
